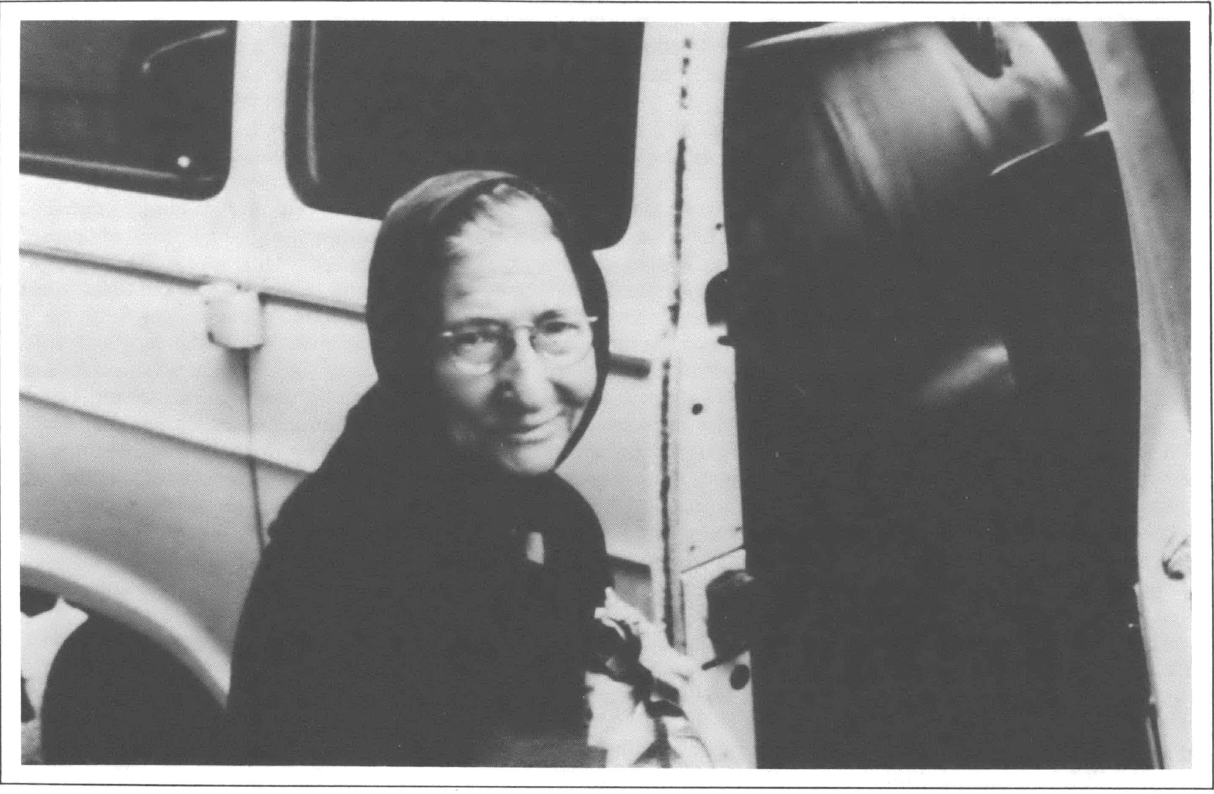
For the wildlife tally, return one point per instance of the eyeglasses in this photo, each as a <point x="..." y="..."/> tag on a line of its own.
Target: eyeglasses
<point x="478" y="348"/>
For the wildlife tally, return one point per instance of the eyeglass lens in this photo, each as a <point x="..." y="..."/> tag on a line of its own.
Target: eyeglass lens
<point x="484" y="346"/>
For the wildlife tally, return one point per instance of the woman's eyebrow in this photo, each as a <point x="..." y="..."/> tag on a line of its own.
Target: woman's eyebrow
<point x="556" y="314"/>
<point x="547" y="314"/>
<point x="474" y="321"/>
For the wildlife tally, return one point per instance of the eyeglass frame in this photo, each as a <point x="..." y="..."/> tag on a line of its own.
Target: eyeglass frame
<point x="467" y="369"/>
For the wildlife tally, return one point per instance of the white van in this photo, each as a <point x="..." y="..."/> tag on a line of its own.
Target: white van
<point x="198" y="205"/>
<point x="171" y="164"/>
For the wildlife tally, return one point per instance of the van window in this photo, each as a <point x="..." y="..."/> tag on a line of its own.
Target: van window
<point x="138" y="105"/>
<point x="378" y="107"/>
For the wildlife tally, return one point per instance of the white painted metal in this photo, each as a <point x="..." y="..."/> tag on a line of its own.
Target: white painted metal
<point x="703" y="420"/>
<point x="290" y="248"/>
<point x="150" y="530"/>
<point x="233" y="316"/>
<point x="1157" y="204"/>
<point x="116" y="344"/>
<point x="704" y="507"/>
<point x="132" y="430"/>
<point x="122" y="594"/>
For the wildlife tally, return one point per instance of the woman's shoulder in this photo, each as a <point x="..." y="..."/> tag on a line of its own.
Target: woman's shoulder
<point x="569" y="497"/>
<point x="565" y="506"/>
<point x="573" y="520"/>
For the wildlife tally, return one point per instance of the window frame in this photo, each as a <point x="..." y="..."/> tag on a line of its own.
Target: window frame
<point x="300" y="111"/>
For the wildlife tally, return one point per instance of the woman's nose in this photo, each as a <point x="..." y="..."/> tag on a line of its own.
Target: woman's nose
<point x="525" y="374"/>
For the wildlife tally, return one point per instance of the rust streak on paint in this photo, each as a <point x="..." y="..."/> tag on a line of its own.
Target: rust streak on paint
<point x="667" y="563"/>
<point x="680" y="166"/>
<point x="667" y="461"/>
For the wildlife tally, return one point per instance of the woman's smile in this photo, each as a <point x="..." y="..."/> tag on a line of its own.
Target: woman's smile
<point x="531" y="432"/>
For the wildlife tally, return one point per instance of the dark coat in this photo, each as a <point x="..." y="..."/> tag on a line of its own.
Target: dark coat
<point x="395" y="617"/>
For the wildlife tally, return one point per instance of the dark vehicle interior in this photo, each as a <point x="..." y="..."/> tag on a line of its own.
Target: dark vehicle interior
<point x="939" y="424"/>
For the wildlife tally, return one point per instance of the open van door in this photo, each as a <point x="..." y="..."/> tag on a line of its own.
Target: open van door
<point x="937" y="397"/>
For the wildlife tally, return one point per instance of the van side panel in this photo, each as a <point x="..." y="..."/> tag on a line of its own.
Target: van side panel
<point x="133" y="434"/>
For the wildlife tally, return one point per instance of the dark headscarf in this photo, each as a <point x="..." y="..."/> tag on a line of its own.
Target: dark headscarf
<point x="394" y="618"/>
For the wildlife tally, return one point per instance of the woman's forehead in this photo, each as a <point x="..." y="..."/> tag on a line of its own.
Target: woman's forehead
<point x="508" y="271"/>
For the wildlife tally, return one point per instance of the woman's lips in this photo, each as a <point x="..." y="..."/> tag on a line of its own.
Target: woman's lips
<point x="530" y="432"/>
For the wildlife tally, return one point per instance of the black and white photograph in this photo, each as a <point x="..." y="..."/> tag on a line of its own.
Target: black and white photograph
<point x="783" y="394"/>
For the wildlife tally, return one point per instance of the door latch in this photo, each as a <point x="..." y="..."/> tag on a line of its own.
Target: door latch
<point x="741" y="611"/>
<point x="234" y="316"/>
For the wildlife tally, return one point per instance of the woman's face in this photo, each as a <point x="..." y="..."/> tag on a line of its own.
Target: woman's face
<point x="522" y="413"/>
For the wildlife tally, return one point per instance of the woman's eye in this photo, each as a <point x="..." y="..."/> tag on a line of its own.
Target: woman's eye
<point x="558" y="327"/>
<point x="473" y="337"/>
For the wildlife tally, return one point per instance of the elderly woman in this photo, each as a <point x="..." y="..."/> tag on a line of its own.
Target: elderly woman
<point x="427" y="597"/>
